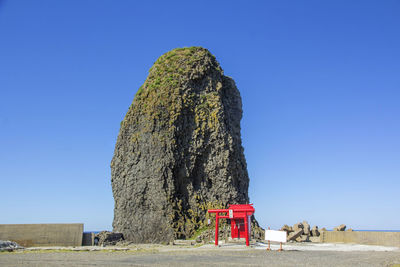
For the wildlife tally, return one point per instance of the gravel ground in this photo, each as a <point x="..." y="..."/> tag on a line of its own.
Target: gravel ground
<point x="203" y="256"/>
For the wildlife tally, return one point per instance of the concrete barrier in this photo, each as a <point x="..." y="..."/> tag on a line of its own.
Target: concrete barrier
<point x="32" y="235"/>
<point x="88" y="239"/>
<point x="366" y="238"/>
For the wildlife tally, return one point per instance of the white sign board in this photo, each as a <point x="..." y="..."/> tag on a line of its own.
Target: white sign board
<point x="277" y="236"/>
<point x="230" y="214"/>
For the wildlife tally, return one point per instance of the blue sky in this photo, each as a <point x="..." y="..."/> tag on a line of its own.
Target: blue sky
<point x="320" y="83"/>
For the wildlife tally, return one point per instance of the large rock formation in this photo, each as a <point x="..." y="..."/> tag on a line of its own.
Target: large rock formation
<point x="179" y="149"/>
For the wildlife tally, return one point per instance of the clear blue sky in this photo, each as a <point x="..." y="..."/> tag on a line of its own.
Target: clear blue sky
<point x="320" y="82"/>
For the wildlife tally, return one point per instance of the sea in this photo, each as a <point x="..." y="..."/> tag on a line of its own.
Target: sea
<point x="375" y="230"/>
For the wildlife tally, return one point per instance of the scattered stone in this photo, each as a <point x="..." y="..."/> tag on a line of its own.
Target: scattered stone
<point x="198" y="241"/>
<point x="314" y="231"/>
<point x="179" y="150"/>
<point x="341" y="227"/>
<point x="9" y="246"/>
<point x="106" y="238"/>
<point x="306" y="228"/>
<point x="295" y="234"/>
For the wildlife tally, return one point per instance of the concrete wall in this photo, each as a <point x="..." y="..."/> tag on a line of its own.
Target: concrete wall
<point x="32" y="235"/>
<point x="88" y="239"/>
<point x="366" y="238"/>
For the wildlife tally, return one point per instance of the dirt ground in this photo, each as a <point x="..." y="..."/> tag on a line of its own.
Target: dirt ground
<point x="201" y="256"/>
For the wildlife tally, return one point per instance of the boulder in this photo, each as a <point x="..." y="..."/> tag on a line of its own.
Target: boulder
<point x="349" y="230"/>
<point x="341" y="227"/>
<point x="106" y="238"/>
<point x="294" y="235"/>
<point x="323" y="229"/>
<point x="298" y="226"/>
<point x="288" y="229"/>
<point x="306" y="228"/>
<point x="314" y="231"/>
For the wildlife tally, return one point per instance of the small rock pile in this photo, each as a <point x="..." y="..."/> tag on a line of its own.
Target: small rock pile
<point x="9" y="246"/>
<point x="302" y="232"/>
<point x="106" y="238"/>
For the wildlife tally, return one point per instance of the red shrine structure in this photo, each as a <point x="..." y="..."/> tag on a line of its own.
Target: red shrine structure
<point x="240" y="220"/>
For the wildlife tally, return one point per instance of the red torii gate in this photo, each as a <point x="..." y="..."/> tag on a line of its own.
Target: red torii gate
<point x="240" y="216"/>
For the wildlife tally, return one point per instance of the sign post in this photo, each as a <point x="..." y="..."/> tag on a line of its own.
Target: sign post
<point x="276" y="236"/>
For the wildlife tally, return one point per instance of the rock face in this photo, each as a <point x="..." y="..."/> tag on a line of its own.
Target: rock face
<point x="179" y="149"/>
